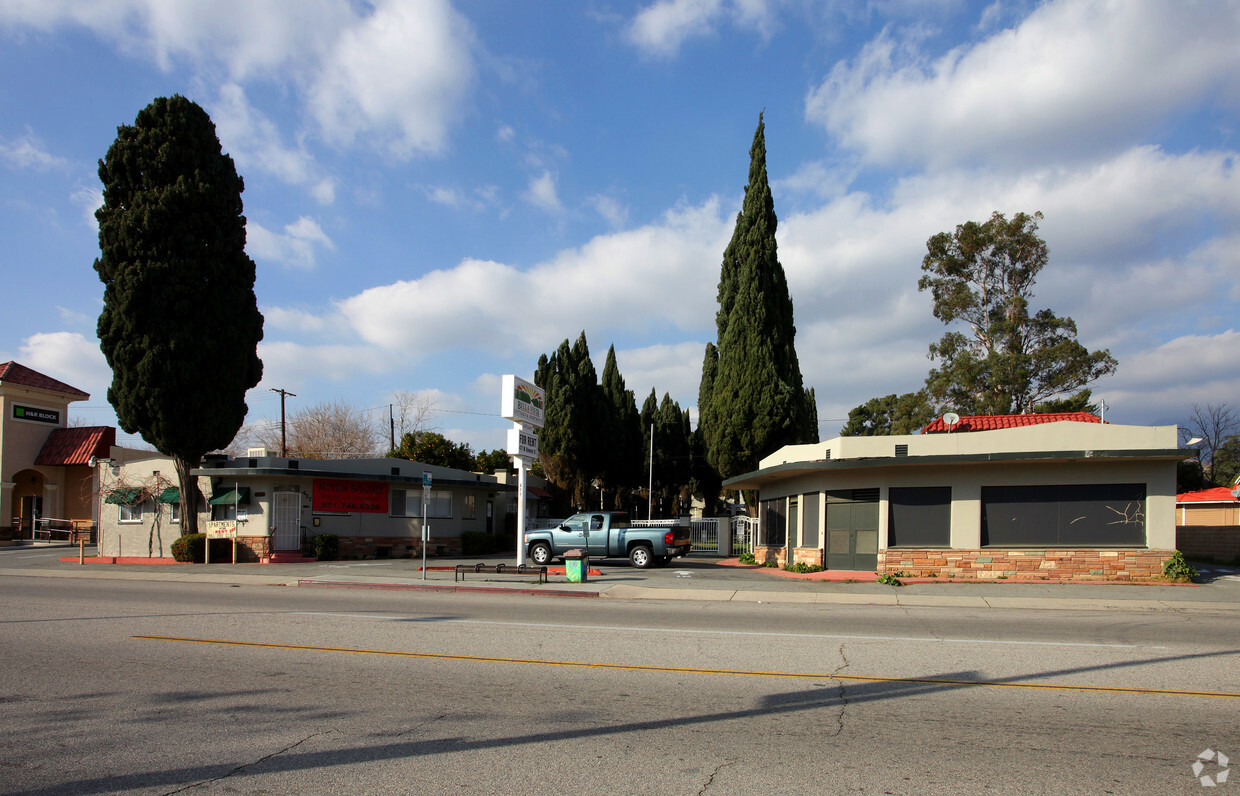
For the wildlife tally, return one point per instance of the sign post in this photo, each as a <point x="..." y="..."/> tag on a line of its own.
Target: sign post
<point x="426" y="529"/>
<point x="524" y="403"/>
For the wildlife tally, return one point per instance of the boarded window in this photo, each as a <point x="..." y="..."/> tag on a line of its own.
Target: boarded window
<point x="774" y="526"/>
<point x="1067" y="515"/>
<point x="811" y="526"/>
<point x="919" y="516"/>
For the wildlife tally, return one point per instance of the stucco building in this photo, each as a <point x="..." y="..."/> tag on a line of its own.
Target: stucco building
<point x="1044" y="496"/>
<point x="47" y="484"/>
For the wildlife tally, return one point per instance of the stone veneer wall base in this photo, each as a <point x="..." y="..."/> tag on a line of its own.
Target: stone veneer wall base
<point x="1042" y="564"/>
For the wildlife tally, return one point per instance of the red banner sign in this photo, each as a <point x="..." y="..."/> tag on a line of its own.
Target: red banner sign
<point x="340" y="497"/>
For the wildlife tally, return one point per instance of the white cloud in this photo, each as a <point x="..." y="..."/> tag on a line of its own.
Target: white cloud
<point x="70" y="357"/>
<point x="480" y="199"/>
<point x="674" y="369"/>
<point x="390" y="74"/>
<point x="542" y="194"/>
<point x="28" y="152"/>
<point x="293" y="365"/>
<point x="1074" y="77"/>
<point x="616" y="214"/>
<point x="637" y="282"/>
<point x="90" y="199"/>
<point x="396" y="78"/>
<point x="254" y="142"/>
<point x="660" y="29"/>
<point x="1162" y="383"/>
<point x="295" y="247"/>
<point x="292" y="320"/>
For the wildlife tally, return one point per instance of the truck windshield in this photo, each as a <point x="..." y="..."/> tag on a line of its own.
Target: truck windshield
<point x="619" y="520"/>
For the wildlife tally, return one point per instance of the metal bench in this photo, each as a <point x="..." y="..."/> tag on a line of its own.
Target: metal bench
<point x="499" y="569"/>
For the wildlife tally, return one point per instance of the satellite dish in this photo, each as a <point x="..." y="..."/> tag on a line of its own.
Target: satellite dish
<point x="91" y="461"/>
<point x="950" y="419"/>
<point x="1235" y="492"/>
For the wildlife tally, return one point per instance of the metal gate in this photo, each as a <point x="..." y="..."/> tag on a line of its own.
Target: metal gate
<point x="286" y="517"/>
<point x="705" y="532"/>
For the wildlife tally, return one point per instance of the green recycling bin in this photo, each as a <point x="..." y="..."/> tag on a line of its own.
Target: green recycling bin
<point x="576" y="563"/>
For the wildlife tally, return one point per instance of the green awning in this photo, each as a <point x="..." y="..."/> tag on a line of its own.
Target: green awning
<point x="231" y="496"/>
<point x="123" y="497"/>
<point x="170" y="495"/>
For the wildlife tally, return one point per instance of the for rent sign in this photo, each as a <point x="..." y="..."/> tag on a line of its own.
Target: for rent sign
<point x="342" y="497"/>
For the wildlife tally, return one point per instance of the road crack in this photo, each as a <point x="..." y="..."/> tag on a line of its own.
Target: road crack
<point x="843" y="694"/>
<point x="710" y="780"/>
<point x="251" y="764"/>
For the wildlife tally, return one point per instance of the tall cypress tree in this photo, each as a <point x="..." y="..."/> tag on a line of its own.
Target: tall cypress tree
<point x="622" y="432"/>
<point x="755" y="400"/>
<point x="180" y="324"/>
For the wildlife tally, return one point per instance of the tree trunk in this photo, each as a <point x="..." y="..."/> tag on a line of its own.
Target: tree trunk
<point x="190" y="495"/>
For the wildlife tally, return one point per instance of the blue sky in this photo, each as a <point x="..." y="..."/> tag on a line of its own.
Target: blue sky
<point x="437" y="193"/>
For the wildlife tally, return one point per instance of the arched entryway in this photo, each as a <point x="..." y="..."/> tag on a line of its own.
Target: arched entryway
<point x="27" y="500"/>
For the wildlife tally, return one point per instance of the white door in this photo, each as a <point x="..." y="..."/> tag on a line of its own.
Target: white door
<point x="287" y="520"/>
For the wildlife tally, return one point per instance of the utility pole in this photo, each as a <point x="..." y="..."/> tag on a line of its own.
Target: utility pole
<point x="283" y="439"/>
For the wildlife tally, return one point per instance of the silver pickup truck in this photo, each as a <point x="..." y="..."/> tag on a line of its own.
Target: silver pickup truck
<point x="608" y="534"/>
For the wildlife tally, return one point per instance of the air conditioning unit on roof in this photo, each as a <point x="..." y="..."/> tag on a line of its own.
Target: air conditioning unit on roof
<point x="256" y="453"/>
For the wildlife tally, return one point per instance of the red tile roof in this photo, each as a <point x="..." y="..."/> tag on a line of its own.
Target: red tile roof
<point x="989" y="422"/>
<point x="15" y="373"/>
<point x="76" y="445"/>
<point x="1219" y="494"/>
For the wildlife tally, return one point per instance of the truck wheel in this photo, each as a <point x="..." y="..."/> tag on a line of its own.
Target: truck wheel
<point x="662" y="561"/>
<point x="641" y="557"/>
<point x="540" y="554"/>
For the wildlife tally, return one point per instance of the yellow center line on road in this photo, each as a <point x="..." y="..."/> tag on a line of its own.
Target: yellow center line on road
<point x="690" y="670"/>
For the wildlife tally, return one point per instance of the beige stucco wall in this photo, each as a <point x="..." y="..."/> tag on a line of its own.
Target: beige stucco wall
<point x="1041" y="438"/>
<point x="20" y="443"/>
<point x="967" y="480"/>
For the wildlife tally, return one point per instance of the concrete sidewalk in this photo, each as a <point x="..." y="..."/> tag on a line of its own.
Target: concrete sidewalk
<point x="692" y="579"/>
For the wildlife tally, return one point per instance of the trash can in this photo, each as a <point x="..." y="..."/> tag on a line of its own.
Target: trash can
<point x="576" y="562"/>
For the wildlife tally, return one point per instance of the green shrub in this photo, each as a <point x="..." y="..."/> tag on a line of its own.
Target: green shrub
<point x="1177" y="569"/>
<point x="190" y="549"/>
<point x="325" y="546"/>
<point x="747" y="558"/>
<point x="888" y="579"/>
<point x="802" y="568"/>
<point x="478" y="543"/>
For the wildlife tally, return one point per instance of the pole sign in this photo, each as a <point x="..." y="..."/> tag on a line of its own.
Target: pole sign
<point x="523" y="441"/>
<point x="522" y="401"/>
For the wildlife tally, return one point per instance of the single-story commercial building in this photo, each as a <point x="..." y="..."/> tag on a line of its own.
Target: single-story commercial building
<point x="374" y="506"/>
<point x="1051" y="496"/>
<point x="1208" y="524"/>
<point x="47" y="483"/>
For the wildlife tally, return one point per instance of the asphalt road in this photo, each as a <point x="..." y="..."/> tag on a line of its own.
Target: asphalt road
<point x="161" y="688"/>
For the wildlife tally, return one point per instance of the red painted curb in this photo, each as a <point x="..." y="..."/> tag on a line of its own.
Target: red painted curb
<point x="441" y="587"/>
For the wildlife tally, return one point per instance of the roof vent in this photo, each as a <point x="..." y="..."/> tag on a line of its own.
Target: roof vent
<point x="395" y="471"/>
<point x="293" y="464"/>
<point x="901" y="450"/>
<point x="253" y="462"/>
<point x="827" y="454"/>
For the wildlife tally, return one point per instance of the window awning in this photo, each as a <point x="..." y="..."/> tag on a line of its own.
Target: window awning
<point x="123" y="497"/>
<point x="231" y="496"/>
<point x="170" y="495"/>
